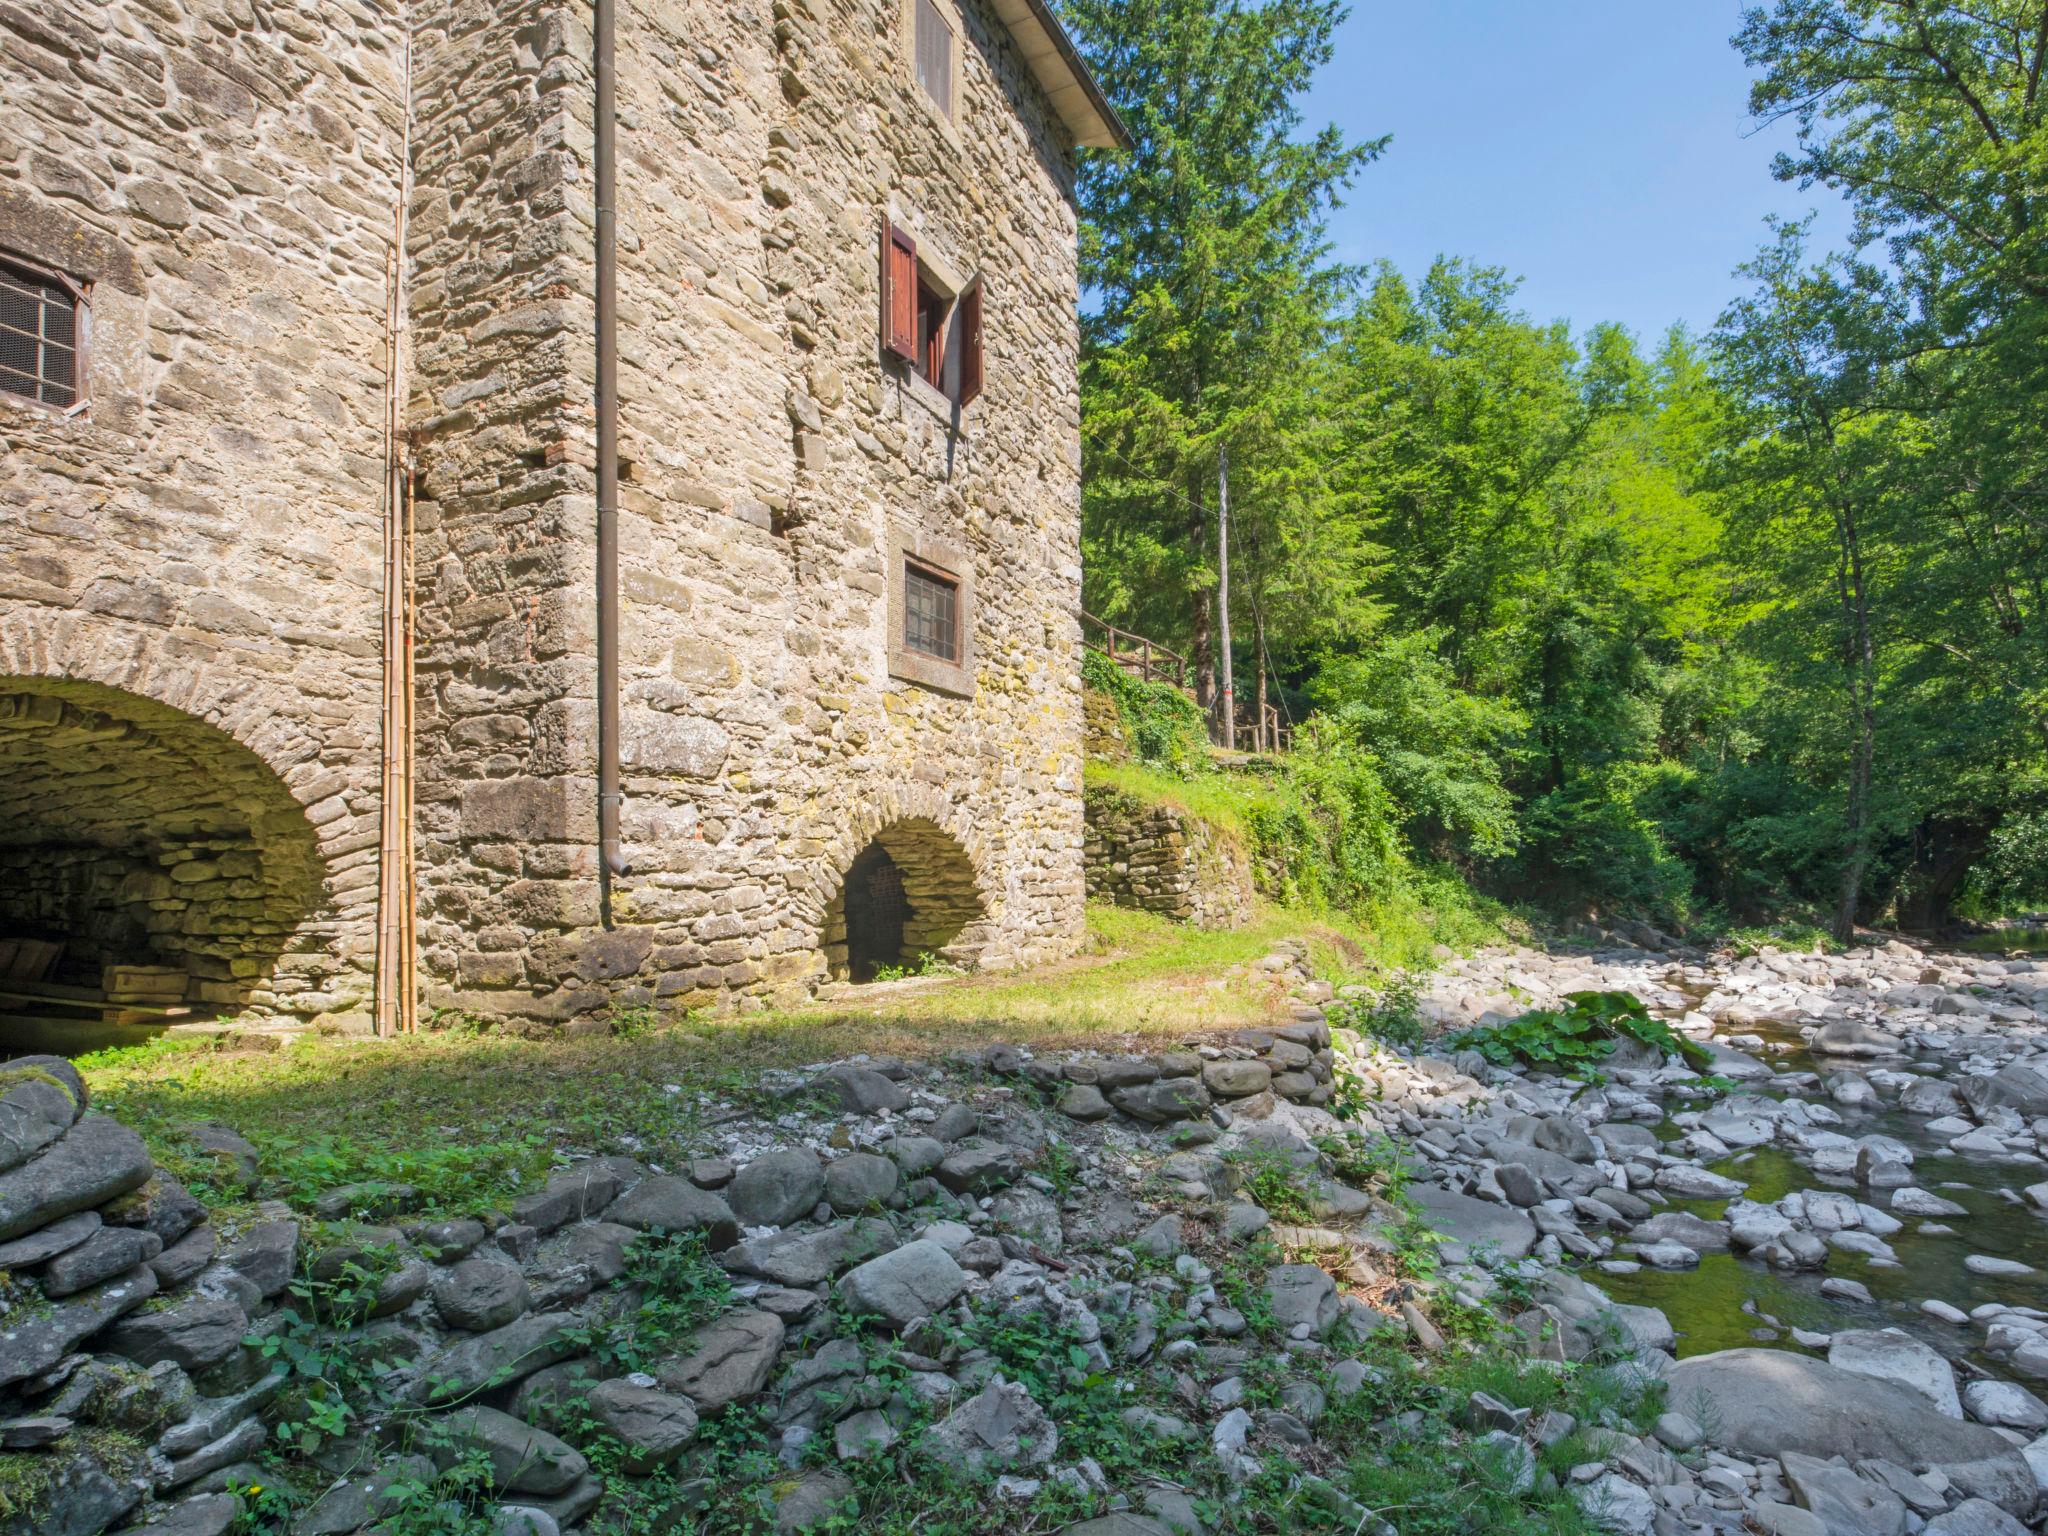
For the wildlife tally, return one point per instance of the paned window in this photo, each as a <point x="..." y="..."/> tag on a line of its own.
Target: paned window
<point x="931" y="612"/>
<point x="935" y="56"/>
<point x="41" y="318"/>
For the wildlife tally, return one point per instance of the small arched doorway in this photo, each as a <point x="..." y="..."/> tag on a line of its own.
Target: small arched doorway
<point x="151" y="866"/>
<point x="909" y="898"/>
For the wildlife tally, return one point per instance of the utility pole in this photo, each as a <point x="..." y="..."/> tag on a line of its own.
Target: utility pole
<point x="1229" y="692"/>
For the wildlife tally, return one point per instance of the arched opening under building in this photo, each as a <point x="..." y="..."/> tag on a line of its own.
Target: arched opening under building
<point x="909" y="898"/>
<point x="152" y="868"/>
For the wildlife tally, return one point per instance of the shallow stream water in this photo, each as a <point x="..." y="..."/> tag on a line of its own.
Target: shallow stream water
<point x="1705" y="1305"/>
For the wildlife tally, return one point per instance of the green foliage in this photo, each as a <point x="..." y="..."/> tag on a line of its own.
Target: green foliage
<point x="1270" y="1179"/>
<point x="923" y="963"/>
<point x="1392" y="1015"/>
<point x="1165" y="727"/>
<point x="332" y="1375"/>
<point x="680" y="1288"/>
<point x="1579" y="1036"/>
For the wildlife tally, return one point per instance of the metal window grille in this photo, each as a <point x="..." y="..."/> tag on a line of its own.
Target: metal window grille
<point x="931" y="613"/>
<point x="39" y="340"/>
<point x="935" y="55"/>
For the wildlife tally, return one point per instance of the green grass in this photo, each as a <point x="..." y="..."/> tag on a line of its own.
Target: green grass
<point x="473" y="1119"/>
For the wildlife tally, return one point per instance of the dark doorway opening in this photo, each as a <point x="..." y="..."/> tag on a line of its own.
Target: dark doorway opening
<point x="876" y="911"/>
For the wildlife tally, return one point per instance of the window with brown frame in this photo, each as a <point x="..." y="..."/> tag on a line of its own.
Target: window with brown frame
<point x="42" y="336"/>
<point x="931" y="611"/>
<point x="936" y="333"/>
<point x="933" y="47"/>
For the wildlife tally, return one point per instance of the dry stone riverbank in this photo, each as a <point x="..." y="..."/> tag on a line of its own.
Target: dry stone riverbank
<point x="1043" y="1293"/>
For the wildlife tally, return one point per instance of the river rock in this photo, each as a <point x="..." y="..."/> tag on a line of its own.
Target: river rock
<point x="668" y="1203"/>
<point x="728" y="1360"/>
<point x="2007" y="1404"/>
<point x="32" y="1345"/>
<point x="1974" y="1517"/>
<point x="774" y="1190"/>
<point x="1920" y="1202"/>
<point x="999" y="1428"/>
<point x="1845" y="1504"/>
<point x="1764" y="1402"/>
<point x="795" y="1257"/>
<point x="653" y="1425"/>
<point x="1892" y="1355"/>
<point x="523" y="1459"/>
<point x="861" y="1181"/>
<point x="501" y="1357"/>
<point x="193" y="1332"/>
<point x="2018" y="1085"/>
<point x="902" y="1286"/>
<point x="1476" y="1224"/>
<point x="40" y="1098"/>
<point x="1690" y="1182"/>
<point x="1302" y="1296"/>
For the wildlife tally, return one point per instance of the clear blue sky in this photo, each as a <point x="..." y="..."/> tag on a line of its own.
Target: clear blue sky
<point x="1599" y="149"/>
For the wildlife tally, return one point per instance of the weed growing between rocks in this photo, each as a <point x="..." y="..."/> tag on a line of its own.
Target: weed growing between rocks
<point x="1580" y="1035"/>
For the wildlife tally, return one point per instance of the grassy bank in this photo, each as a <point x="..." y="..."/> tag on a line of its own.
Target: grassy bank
<point x="471" y="1116"/>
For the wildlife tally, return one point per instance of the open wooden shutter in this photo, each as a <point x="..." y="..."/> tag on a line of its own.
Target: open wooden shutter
<point x="899" y="293"/>
<point x="970" y="342"/>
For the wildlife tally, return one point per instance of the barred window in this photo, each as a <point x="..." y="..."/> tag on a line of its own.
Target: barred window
<point x="41" y="318"/>
<point x="935" y="56"/>
<point x="931" y="612"/>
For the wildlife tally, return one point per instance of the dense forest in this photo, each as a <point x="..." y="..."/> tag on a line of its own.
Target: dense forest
<point x="1700" y="628"/>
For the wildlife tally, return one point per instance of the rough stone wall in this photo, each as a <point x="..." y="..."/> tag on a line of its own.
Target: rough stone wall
<point x="206" y="536"/>
<point x="773" y="463"/>
<point x="1159" y="858"/>
<point x="503" y="322"/>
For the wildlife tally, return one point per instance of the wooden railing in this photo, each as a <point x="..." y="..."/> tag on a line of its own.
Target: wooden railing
<point x="1254" y="729"/>
<point x="1137" y="656"/>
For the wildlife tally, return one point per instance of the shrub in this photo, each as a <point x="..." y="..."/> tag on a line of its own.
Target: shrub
<point x="1165" y="727"/>
<point x="1580" y="1035"/>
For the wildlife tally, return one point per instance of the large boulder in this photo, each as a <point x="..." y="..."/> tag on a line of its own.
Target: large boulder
<point x="89" y="1165"/>
<point x="1479" y="1225"/>
<point x="32" y="1345"/>
<point x="2018" y="1085"/>
<point x="1764" y="1402"/>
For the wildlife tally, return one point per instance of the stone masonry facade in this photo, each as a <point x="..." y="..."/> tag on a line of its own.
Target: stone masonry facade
<point x="190" y="568"/>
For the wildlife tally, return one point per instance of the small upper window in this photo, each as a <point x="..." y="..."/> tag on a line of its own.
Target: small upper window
<point x="935" y="56"/>
<point x="41" y="336"/>
<point x="931" y="612"/>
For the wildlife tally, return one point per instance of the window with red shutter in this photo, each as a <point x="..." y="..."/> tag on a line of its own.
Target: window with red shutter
<point x="899" y="294"/>
<point x="970" y="343"/>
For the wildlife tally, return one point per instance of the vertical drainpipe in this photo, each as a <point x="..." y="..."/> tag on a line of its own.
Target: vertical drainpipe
<point x="608" y="793"/>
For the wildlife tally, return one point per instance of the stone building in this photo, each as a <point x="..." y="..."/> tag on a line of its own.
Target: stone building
<point x="849" y="725"/>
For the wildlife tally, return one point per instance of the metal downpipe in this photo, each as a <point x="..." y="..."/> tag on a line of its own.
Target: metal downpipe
<point x="606" y="155"/>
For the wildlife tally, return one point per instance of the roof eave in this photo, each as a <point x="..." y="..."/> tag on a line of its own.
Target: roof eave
<point x="1057" y="65"/>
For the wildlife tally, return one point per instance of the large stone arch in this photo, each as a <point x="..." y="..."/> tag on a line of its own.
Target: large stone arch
<point x="944" y="873"/>
<point x="162" y="807"/>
